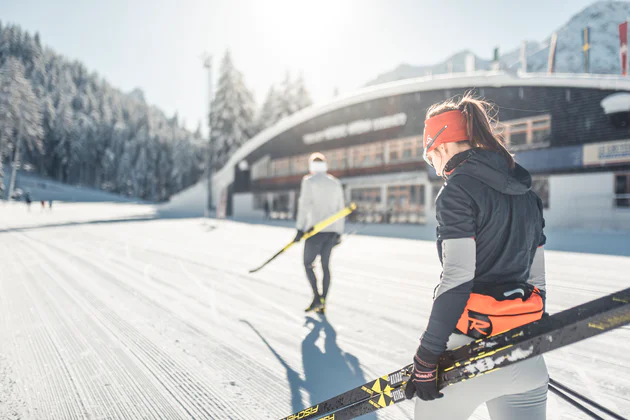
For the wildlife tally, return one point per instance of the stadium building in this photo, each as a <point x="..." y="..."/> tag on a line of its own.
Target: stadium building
<point x="572" y="132"/>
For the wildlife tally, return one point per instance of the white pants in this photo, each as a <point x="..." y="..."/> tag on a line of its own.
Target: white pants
<point x="515" y="392"/>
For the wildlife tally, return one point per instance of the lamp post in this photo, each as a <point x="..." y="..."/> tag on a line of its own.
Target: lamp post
<point x="207" y="64"/>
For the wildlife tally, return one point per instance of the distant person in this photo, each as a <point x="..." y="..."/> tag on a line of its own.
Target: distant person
<point x="50" y="204"/>
<point x="266" y="208"/>
<point x="321" y="196"/>
<point x="27" y="198"/>
<point x="43" y="204"/>
<point x="490" y="240"/>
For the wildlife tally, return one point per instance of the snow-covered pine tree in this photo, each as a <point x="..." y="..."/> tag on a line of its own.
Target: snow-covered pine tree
<point x="20" y="113"/>
<point x="288" y="98"/>
<point x="302" y="97"/>
<point x="269" y="110"/>
<point x="232" y="113"/>
<point x="93" y="133"/>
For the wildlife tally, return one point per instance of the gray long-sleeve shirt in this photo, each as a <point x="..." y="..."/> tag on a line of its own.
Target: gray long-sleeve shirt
<point x="321" y="196"/>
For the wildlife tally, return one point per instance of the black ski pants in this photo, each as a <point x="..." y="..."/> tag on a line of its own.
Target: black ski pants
<point x="322" y="245"/>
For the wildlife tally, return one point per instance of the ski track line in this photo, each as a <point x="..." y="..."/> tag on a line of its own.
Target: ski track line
<point x="229" y="355"/>
<point x="100" y="343"/>
<point x="297" y="319"/>
<point x="287" y="313"/>
<point x="567" y="287"/>
<point x="187" y="383"/>
<point x="590" y="291"/>
<point x="83" y="373"/>
<point x="95" y="393"/>
<point x="49" y="361"/>
<point x="176" y="380"/>
<point x="18" y="316"/>
<point x="390" y="322"/>
<point x="266" y="395"/>
<point x="387" y="324"/>
<point x="292" y="316"/>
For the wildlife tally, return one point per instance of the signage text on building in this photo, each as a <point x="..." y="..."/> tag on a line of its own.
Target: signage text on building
<point x="607" y="153"/>
<point x="355" y="128"/>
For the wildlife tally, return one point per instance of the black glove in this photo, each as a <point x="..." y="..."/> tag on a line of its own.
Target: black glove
<point x="298" y="236"/>
<point x="337" y="239"/>
<point x="423" y="381"/>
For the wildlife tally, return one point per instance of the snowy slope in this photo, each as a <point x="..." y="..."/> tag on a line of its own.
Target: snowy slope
<point x="42" y="188"/>
<point x="159" y="319"/>
<point x="602" y="17"/>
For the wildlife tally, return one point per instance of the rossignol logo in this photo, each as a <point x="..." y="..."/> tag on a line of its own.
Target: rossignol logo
<point x="479" y="325"/>
<point x="307" y="412"/>
<point x="328" y="417"/>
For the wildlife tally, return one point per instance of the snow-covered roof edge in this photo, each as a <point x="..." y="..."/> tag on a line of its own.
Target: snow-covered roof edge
<point x="420" y="84"/>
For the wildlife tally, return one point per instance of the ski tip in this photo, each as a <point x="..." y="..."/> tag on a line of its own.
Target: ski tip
<point x="353" y="206"/>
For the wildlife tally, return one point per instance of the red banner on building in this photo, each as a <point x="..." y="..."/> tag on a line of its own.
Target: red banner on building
<point x="623" y="47"/>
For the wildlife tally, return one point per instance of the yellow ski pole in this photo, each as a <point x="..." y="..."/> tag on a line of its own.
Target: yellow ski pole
<point x="318" y="227"/>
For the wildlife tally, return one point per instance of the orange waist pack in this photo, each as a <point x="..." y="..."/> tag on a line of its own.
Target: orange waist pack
<point x="500" y="309"/>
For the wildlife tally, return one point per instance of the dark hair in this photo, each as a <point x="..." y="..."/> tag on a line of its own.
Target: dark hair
<point x="481" y="120"/>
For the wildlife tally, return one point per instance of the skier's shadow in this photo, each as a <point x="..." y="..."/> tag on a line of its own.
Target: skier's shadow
<point x="328" y="370"/>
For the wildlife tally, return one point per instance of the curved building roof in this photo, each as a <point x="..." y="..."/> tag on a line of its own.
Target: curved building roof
<point x="430" y="83"/>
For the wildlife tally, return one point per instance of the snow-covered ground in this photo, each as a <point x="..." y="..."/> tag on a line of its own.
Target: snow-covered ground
<point x="107" y="312"/>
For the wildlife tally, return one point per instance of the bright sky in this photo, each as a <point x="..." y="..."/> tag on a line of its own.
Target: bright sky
<point x="156" y="45"/>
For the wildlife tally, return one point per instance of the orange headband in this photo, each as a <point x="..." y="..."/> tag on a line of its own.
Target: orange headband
<point x="448" y="127"/>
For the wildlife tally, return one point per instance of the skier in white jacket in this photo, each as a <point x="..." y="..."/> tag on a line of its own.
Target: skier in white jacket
<point x="321" y="196"/>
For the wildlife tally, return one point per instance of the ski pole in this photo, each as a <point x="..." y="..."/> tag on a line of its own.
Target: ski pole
<point x="556" y="384"/>
<point x="574" y="403"/>
<point x="312" y="232"/>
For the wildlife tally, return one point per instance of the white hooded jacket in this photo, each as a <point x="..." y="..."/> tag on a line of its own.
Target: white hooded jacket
<point x="321" y="196"/>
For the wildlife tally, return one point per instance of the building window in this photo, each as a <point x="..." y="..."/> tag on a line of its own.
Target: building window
<point x="622" y="190"/>
<point x="395" y="151"/>
<point x="367" y="155"/>
<point x="260" y="169"/>
<point x="368" y="201"/>
<point x="527" y="132"/>
<point x="408" y="152"/>
<point x="540" y="185"/>
<point x="299" y="165"/>
<point x="336" y="159"/>
<point x="280" y="167"/>
<point x="366" y="197"/>
<point x="517" y="134"/>
<point x="405" y="204"/>
<point x="280" y="205"/>
<point x="404" y="150"/>
<point x="259" y="201"/>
